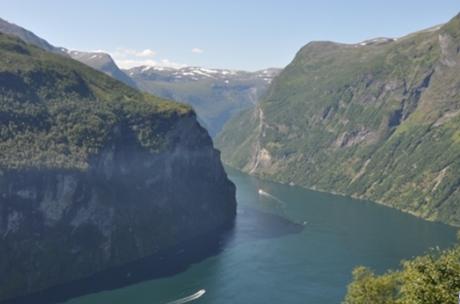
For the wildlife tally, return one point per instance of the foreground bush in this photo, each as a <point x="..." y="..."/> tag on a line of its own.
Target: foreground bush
<point x="430" y="279"/>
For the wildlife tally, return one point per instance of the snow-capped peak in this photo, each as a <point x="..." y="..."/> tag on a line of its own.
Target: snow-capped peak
<point x="191" y="73"/>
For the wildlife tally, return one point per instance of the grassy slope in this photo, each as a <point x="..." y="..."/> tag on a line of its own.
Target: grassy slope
<point x="377" y="122"/>
<point x="56" y="112"/>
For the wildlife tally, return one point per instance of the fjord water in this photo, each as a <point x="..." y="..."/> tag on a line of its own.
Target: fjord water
<point x="289" y="245"/>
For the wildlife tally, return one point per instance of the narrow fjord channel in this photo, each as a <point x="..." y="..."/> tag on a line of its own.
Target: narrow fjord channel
<point x="289" y="245"/>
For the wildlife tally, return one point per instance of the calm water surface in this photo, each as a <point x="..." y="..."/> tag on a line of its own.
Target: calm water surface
<point x="289" y="245"/>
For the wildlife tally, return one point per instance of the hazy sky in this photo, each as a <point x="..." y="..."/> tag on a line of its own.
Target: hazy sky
<point x="237" y="34"/>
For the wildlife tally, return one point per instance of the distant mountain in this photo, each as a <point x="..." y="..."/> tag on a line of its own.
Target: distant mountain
<point x="102" y="62"/>
<point x="377" y="120"/>
<point x="215" y="94"/>
<point x="97" y="60"/>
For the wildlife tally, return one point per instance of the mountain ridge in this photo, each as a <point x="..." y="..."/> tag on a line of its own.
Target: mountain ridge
<point x="102" y="62"/>
<point x="376" y="122"/>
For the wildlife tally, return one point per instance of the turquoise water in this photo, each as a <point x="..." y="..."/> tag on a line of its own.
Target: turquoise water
<point x="289" y="245"/>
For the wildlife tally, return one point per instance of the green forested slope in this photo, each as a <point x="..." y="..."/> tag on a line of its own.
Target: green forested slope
<point x="56" y="112"/>
<point x="377" y="120"/>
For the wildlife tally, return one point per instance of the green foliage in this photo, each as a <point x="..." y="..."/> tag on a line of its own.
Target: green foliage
<point x="57" y="113"/>
<point x="433" y="278"/>
<point x="239" y="130"/>
<point x="368" y="288"/>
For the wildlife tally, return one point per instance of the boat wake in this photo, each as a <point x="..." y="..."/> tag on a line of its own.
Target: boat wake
<point x="266" y="194"/>
<point x="190" y="298"/>
<point x="281" y="202"/>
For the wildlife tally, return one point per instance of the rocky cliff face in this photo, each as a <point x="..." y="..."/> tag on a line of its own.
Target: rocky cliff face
<point x="376" y="120"/>
<point x="60" y="225"/>
<point x="94" y="174"/>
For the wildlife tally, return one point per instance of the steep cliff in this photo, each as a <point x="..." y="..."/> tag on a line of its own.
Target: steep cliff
<point x="377" y="120"/>
<point x="94" y="174"/>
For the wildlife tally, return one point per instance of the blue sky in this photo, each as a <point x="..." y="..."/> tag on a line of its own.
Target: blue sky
<point x="233" y="34"/>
